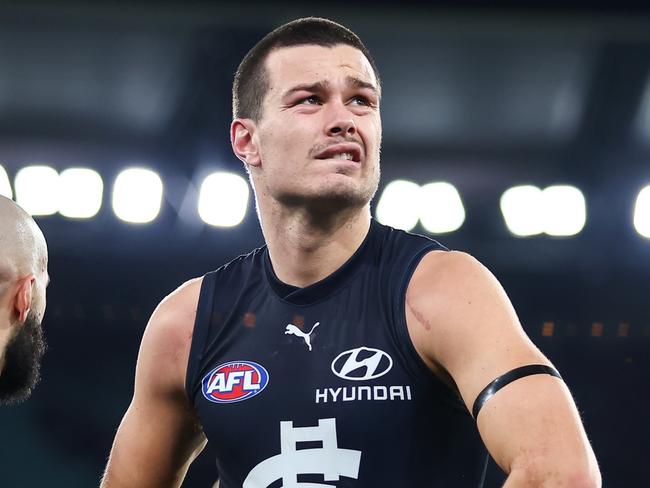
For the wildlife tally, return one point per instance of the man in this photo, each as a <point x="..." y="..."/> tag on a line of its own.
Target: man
<point x="344" y="352"/>
<point x="23" y="280"/>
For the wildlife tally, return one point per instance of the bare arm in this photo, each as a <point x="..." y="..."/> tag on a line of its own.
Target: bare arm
<point x="466" y="330"/>
<point x="159" y="435"/>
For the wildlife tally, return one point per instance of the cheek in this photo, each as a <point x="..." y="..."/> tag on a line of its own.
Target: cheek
<point x="39" y="299"/>
<point x="280" y="137"/>
<point x="372" y="139"/>
<point x="287" y="146"/>
<point x="40" y="304"/>
<point x="372" y="127"/>
<point x="378" y="130"/>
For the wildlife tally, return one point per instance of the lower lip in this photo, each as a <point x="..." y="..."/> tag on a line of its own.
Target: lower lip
<point x="346" y="162"/>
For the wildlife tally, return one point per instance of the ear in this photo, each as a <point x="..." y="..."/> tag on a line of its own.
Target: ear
<point x="23" y="298"/>
<point x="243" y="145"/>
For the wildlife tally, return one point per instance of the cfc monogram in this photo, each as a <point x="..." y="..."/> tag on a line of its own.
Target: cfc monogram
<point x="329" y="460"/>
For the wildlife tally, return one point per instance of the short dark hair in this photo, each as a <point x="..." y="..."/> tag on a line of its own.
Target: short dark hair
<point x="252" y="80"/>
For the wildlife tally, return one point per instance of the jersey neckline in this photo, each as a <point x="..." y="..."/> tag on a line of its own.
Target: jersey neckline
<point x="328" y="285"/>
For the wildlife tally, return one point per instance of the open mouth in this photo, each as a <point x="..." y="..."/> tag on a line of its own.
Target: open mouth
<point x="344" y="152"/>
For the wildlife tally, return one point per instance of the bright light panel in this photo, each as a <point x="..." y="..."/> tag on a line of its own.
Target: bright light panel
<point x="565" y="210"/>
<point x="522" y="209"/>
<point x="37" y="190"/>
<point x="81" y="191"/>
<point x="137" y="195"/>
<point x="399" y="205"/>
<point x="642" y="212"/>
<point x="223" y="199"/>
<point x="441" y="209"/>
<point x="5" y="186"/>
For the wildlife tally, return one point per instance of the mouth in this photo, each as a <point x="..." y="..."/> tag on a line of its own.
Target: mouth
<point x="343" y="152"/>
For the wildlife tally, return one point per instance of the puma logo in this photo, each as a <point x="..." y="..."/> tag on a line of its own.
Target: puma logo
<point x="293" y="330"/>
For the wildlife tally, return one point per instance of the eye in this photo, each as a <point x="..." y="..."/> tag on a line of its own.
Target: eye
<point x="361" y="100"/>
<point x="310" y="100"/>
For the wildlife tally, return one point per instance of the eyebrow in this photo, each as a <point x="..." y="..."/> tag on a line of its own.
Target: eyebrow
<point x="358" y="83"/>
<point x="324" y="85"/>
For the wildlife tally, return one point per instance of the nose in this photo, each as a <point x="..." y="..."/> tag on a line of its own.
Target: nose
<point x="341" y="122"/>
<point x="342" y="127"/>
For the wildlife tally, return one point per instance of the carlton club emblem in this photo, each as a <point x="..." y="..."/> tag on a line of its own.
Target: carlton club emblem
<point x="361" y="364"/>
<point x="234" y="382"/>
<point x="329" y="459"/>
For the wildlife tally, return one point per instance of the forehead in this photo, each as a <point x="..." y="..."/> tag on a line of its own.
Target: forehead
<point x="311" y="63"/>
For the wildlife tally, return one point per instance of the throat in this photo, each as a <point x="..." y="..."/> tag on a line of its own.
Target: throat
<point x="303" y="255"/>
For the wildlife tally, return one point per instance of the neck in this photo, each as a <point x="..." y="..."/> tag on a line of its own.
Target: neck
<point x="307" y="246"/>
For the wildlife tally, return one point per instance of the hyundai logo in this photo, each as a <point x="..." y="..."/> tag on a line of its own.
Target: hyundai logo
<point x="362" y="363"/>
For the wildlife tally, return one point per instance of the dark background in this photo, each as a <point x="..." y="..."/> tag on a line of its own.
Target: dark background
<point x="485" y="95"/>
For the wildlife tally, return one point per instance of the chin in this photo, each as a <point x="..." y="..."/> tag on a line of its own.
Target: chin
<point x="340" y="195"/>
<point x="21" y="369"/>
<point x="333" y="191"/>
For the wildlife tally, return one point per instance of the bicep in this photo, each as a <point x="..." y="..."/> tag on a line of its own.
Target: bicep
<point x="159" y="435"/>
<point x="475" y="336"/>
<point x="154" y="445"/>
<point x="534" y="420"/>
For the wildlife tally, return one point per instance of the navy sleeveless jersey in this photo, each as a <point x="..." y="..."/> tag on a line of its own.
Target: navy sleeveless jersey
<point x="322" y="386"/>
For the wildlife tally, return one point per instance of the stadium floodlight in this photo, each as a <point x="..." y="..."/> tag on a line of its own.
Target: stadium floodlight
<point x="37" y="190"/>
<point x="223" y="199"/>
<point x="80" y="193"/>
<point x="642" y="212"/>
<point x="522" y="209"/>
<point x="399" y="205"/>
<point x="5" y="185"/>
<point x="137" y="195"/>
<point x="565" y="210"/>
<point x="441" y="209"/>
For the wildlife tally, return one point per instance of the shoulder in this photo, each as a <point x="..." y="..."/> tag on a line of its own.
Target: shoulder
<point x="171" y="325"/>
<point x="455" y="306"/>
<point x="177" y="310"/>
<point x="452" y="275"/>
<point x="252" y="258"/>
<point x="398" y="253"/>
<point x="398" y="240"/>
<point x="167" y="339"/>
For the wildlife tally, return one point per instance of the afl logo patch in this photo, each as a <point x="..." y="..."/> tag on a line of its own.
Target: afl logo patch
<point x="362" y="363"/>
<point x="234" y="381"/>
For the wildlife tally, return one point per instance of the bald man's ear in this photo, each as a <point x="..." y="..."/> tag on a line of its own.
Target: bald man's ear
<point x="23" y="298"/>
<point x="243" y="143"/>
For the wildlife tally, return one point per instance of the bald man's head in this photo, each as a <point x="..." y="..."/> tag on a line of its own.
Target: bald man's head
<point x="23" y="280"/>
<point x="22" y="245"/>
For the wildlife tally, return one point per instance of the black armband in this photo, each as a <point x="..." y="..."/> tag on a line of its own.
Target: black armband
<point x="508" y="378"/>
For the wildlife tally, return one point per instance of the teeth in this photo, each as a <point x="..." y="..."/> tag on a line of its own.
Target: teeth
<point x="347" y="156"/>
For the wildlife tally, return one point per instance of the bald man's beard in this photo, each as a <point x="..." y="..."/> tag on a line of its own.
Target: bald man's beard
<point x="22" y="365"/>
